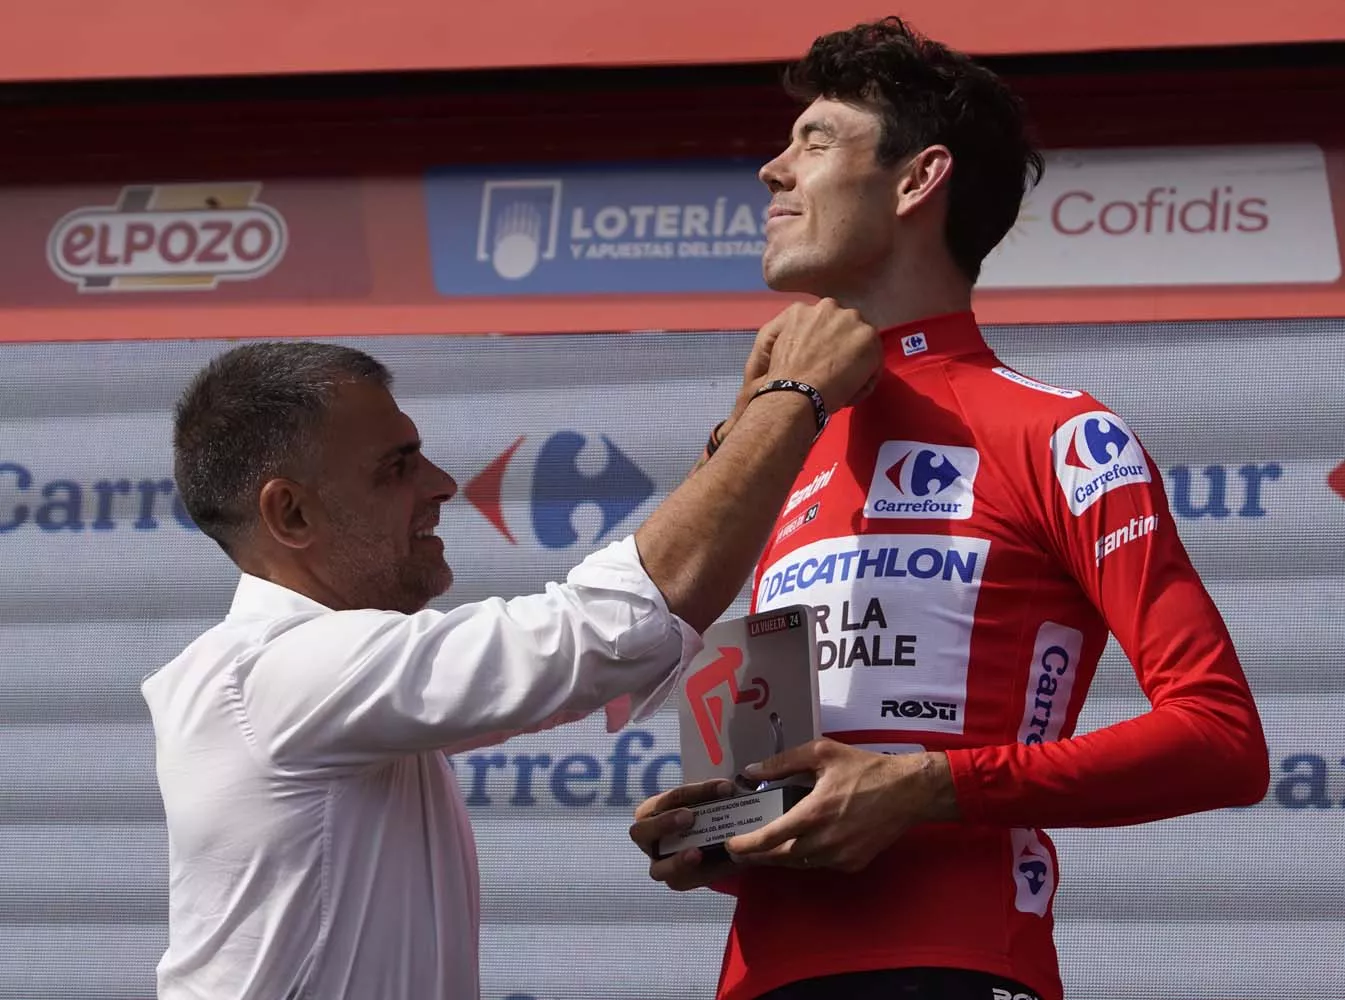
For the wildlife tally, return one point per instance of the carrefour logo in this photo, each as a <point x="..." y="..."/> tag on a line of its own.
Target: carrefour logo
<point x="1095" y="453"/>
<point x="559" y="487"/>
<point x="916" y="479"/>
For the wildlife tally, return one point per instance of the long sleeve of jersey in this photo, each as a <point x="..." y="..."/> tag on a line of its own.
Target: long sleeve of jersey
<point x="1201" y="745"/>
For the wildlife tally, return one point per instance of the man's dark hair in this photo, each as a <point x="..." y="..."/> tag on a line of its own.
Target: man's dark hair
<point x="250" y="416"/>
<point x="926" y="94"/>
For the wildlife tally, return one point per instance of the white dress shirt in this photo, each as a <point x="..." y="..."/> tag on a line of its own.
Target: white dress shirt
<point x="318" y="845"/>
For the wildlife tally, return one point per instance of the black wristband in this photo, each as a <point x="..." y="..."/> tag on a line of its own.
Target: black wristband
<point x="793" y="385"/>
<point x="712" y="445"/>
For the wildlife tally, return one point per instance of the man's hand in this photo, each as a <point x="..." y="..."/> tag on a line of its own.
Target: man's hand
<point x="817" y="322"/>
<point x="861" y="803"/>
<point x="663" y="814"/>
<point x="830" y="348"/>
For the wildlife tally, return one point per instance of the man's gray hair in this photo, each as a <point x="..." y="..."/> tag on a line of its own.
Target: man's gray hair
<point x="250" y="416"/>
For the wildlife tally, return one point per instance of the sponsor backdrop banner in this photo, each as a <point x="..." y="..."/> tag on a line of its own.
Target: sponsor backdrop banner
<point x="1100" y="218"/>
<point x="561" y="444"/>
<point x="1118" y="234"/>
<point x="234" y="239"/>
<point x="685" y="227"/>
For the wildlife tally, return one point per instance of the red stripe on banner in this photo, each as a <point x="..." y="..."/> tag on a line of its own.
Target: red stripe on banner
<point x="76" y="39"/>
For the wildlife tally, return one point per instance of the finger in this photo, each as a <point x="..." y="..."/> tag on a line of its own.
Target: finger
<point x="806" y="851"/>
<point x="678" y="866"/>
<point x="688" y="870"/>
<point x="684" y="795"/>
<point x="648" y="832"/>
<point x="759" y="359"/>
<point x="796" y="760"/>
<point x="781" y="855"/>
<point x="681" y="871"/>
<point x="795" y="823"/>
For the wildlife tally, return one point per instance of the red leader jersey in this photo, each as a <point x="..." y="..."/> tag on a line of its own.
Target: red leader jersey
<point x="969" y="536"/>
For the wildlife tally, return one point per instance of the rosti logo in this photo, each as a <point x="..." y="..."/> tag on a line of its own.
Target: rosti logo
<point x="560" y="488"/>
<point x="186" y="237"/>
<point x="916" y="479"/>
<point x="913" y="709"/>
<point x="1095" y="453"/>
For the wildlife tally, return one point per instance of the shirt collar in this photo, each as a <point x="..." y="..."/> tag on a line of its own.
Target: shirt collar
<point x="258" y="598"/>
<point x="930" y="339"/>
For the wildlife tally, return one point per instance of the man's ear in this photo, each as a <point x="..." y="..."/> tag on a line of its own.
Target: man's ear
<point x="926" y="174"/>
<point x="288" y="512"/>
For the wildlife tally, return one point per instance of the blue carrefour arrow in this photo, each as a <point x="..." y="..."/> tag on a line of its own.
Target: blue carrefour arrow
<point x="558" y="487"/>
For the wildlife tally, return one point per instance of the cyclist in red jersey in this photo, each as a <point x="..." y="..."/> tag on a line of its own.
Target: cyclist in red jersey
<point x="970" y="536"/>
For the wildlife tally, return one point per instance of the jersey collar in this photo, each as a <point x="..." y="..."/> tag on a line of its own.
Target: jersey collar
<point x="930" y="339"/>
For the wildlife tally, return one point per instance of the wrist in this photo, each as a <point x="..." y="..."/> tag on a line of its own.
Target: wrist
<point x="716" y="437"/>
<point x="782" y="406"/>
<point x="940" y="792"/>
<point x="721" y="430"/>
<point x="797" y="387"/>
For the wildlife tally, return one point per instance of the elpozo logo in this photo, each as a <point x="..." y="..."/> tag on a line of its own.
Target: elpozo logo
<point x="169" y="237"/>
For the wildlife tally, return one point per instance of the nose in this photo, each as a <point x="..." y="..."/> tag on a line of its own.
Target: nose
<point x="443" y="486"/>
<point x="776" y="175"/>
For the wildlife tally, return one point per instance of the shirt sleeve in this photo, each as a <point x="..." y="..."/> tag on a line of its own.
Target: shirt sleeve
<point x="1106" y="518"/>
<point x="349" y="688"/>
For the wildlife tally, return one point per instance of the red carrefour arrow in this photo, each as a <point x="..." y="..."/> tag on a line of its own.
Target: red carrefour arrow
<point x="1336" y="480"/>
<point x="483" y="492"/>
<point x="894" y="473"/>
<point x="1072" y="455"/>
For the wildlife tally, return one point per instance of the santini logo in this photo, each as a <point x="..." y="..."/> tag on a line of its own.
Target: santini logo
<point x="1113" y="540"/>
<point x="914" y="479"/>
<point x="817" y="485"/>
<point x="1095" y="453"/>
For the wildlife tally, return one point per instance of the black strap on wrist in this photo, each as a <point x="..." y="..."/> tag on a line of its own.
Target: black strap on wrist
<point x="712" y="445"/>
<point x="794" y="385"/>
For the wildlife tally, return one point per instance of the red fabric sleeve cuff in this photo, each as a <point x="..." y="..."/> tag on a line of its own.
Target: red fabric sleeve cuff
<point x="966" y="784"/>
